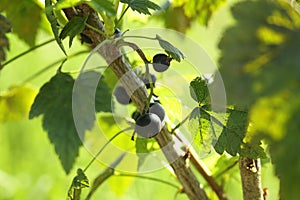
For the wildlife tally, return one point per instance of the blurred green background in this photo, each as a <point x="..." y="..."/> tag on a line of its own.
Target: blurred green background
<point x="29" y="167"/>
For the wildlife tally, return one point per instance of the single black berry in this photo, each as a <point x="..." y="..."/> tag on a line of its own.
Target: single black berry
<point x="135" y="115"/>
<point x="148" y="125"/>
<point x="121" y="95"/>
<point x="145" y="79"/>
<point x="117" y="33"/>
<point x="161" y="62"/>
<point x="156" y="108"/>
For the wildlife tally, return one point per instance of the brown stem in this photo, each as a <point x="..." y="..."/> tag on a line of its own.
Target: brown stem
<point x="131" y="83"/>
<point x="199" y="165"/>
<point x="137" y="49"/>
<point x="250" y="171"/>
<point x="202" y="169"/>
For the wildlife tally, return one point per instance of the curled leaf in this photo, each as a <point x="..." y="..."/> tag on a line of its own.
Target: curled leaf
<point x="170" y="49"/>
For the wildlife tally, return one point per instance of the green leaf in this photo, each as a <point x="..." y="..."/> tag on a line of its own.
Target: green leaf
<point x="202" y="11"/>
<point x="181" y="14"/>
<point x="90" y="96"/>
<point x="5" y="27"/>
<point x="141" y="6"/>
<point x="272" y="39"/>
<point x="201" y="127"/>
<point x="25" y="17"/>
<point x="232" y="135"/>
<point x="54" y="102"/>
<point x="53" y="22"/>
<point x="73" y="27"/>
<point x="285" y="155"/>
<point x="264" y="77"/>
<point x="16" y="102"/>
<point x="199" y="90"/>
<point x="277" y="119"/>
<point x="79" y="182"/>
<point x="170" y="49"/>
<point x="275" y="114"/>
<point x="231" y="139"/>
<point x="176" y="19"/>
<point x="103" y="6"/>
<point x="102" y="95"/>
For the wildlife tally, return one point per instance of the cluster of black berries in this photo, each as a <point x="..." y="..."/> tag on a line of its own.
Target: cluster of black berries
<point x="149" y="123"/>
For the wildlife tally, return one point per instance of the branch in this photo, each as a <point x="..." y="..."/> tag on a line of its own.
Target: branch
<point x="130" y="81"/>
<point x="250" y="174"/>
<point x="202" y="169"/>
<point x="137" y="49"/>
<point x="199" y="165"/>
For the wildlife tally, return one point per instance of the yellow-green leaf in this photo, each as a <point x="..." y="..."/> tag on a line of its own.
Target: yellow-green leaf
<point x="25" y="17"/>
<point x="170" y="49"/>
<point x="16" y="102"/>
<point x="54" y="102"/>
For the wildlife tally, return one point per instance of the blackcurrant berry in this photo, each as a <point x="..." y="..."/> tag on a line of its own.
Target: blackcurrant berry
<point x="161" y="62"/>
<point x="156" y="108"/>
<point x="146" y="80"/>
<point x="121" y="95"/>
<point x="135" y="115"/>
<point x="117" y="33"/>
<point x="148" y="125"/>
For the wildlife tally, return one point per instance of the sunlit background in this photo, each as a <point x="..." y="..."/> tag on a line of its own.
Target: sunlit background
<point x="29" y="167"/>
